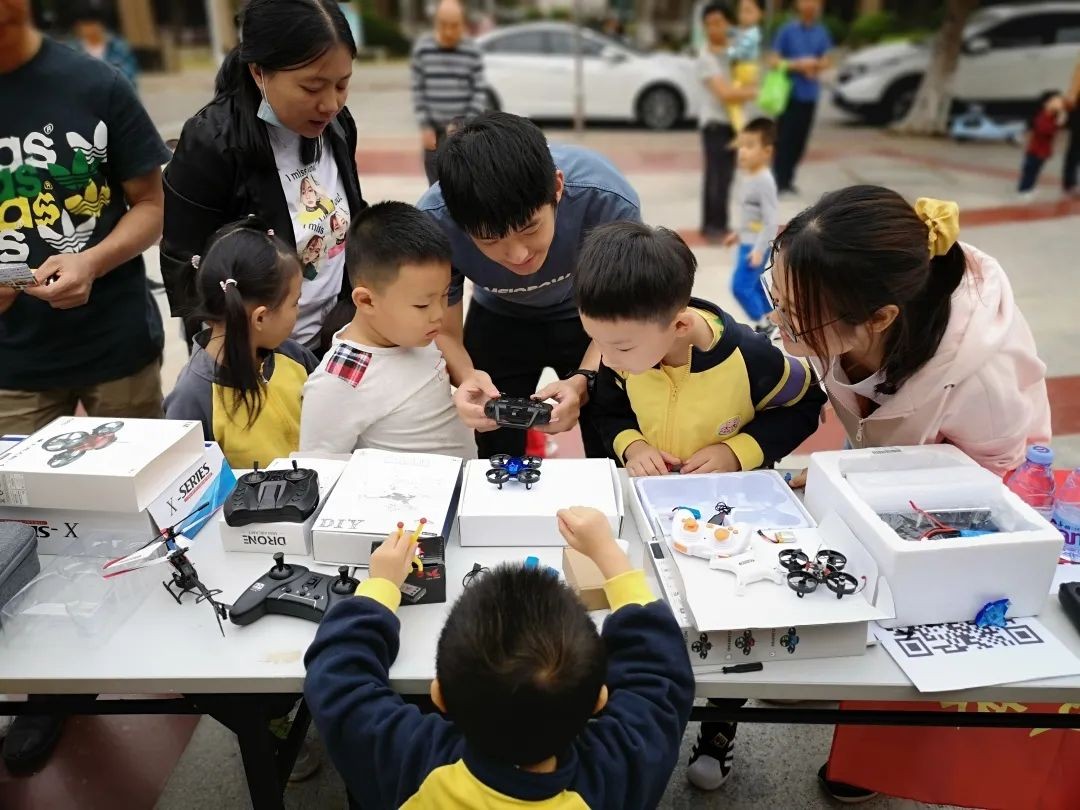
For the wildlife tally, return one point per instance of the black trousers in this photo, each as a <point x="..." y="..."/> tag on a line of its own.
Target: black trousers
<point x="720" y="161"/>
<point x="793" y="132"/>
<point x="514" y="352"/>
<point x="1072" y="153"/>
<point x="1029" y="172"/>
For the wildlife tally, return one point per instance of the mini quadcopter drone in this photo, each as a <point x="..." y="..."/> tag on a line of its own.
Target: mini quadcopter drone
<point x="166" y="548"/>
<point x="691" y="536"/>
<point x="71" y="446"/>
<point x="525" y="469"/>
<point x="804" y="574"/>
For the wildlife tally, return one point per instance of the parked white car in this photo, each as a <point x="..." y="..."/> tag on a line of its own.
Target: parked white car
<point x="1011" y="55"/>
<point x="530" y="69"/>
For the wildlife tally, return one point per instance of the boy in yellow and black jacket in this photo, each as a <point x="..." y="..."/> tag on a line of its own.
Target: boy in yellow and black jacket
<point x="537" y="709"/>
<point x="682" y="385"/>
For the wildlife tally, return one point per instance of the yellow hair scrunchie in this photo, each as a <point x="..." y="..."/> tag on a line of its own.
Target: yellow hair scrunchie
<point x="942" y="218"/>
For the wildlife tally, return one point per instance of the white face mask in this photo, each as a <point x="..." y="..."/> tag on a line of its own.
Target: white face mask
<point x="266" y="112"/>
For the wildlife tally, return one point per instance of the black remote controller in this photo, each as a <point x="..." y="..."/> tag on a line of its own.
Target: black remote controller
<point x="292" y="590"/>
<point x="517" y="412"/>
<point x="270" y="496"/>
<point x="1069" y="595"/>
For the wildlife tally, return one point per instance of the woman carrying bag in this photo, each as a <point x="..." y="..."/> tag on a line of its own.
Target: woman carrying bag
<point x="277" y="142"/>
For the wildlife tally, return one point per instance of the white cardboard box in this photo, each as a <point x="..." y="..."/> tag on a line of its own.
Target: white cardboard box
<point x="795" y="639"/>
<point x="514" y="516"/>
<point x="934" y="581"/>
<point x="208" y="480"/>
<point x="375" y="491"/>
<point x="291" y="538"/>
<point x="97" y="464"/>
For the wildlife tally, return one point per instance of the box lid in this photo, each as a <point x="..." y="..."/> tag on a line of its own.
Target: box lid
<point x="379" y="488"/>
<point x="563" y="483"/>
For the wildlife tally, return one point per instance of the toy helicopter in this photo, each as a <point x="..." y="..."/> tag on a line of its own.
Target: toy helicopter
<point x="166" y="548"/>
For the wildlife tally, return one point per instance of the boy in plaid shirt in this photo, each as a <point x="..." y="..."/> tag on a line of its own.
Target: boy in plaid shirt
<point x="383" y="383"/>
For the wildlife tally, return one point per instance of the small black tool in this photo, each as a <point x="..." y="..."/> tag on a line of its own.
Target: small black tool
<point x="756" y="666"/>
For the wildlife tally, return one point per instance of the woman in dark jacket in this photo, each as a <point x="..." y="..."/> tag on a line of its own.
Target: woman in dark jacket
<point x="276" y="136"/>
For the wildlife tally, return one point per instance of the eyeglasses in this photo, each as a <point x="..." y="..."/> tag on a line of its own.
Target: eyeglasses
<point x="786" y="326"/>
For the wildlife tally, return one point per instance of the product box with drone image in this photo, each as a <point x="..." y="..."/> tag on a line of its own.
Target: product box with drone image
<point x="376" y="491"/>
<point x="749" y="574"/>
<point x="98" y="464"/>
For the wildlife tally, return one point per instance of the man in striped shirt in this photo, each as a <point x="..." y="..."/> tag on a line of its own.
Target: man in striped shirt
<point x="447" y="79"/>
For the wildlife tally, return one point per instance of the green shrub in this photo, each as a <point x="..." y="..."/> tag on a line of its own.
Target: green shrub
<point x="870" y="29"/>
<point x="382" y="33"/>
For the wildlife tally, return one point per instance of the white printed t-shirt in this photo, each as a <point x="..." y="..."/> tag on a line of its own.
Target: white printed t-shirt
<point x="395" y="399"/>
<point x="320" y="215"/>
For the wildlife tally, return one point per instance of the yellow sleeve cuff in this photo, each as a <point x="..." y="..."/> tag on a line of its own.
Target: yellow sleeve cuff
<point x="624" y="440"/>
<point x="746" y="450"/>
<point x="382" y="591"/>
<point x="628" y="589"/>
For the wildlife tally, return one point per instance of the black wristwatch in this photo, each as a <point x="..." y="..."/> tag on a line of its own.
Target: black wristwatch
<point x="590" y="379"/>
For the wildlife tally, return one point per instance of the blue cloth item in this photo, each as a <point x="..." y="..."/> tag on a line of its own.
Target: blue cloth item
<point x="746" y="285"/>
<point x="798" y="41"/>
<point x="746" y="46"/>
<point x="594" y="193"/>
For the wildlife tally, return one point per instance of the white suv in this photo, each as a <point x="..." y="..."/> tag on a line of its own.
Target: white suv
<point x="1011" y="55"/>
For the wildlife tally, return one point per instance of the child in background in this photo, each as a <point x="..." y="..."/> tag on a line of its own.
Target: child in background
<point x="759" y="220"/>
<point x="539" y="709"/>
<point x="745" y="55"/>
<point x="244" y="378"/>
<point x="682" y="385"/>
<point x="383" y="383"/>
<point x="1044" y="126"/>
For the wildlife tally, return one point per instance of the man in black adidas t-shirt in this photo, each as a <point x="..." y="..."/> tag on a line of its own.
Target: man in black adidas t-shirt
<point x="80" y="200"/>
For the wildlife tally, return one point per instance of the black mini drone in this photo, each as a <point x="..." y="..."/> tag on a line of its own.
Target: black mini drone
<point x="525" y="469"/>
<point x="804" y="574"/>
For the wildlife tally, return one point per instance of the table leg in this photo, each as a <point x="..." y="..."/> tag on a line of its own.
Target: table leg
<point x="258" y="751"/>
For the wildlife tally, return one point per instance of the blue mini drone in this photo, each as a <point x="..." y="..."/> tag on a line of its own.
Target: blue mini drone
<point x="525" y="469"/>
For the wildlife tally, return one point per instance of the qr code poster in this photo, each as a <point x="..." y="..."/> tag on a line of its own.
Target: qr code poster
<point x="960" y="655"/>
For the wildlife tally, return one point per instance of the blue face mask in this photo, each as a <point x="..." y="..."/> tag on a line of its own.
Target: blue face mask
<point x="266" y="112"/>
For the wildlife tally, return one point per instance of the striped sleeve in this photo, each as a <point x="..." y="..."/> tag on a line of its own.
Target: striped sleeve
<point x="787" y="400"/>
<point x="479" y="101"/>
<point x="416" y="70"/>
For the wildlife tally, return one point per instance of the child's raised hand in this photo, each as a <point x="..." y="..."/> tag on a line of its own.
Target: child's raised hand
<point x="588" y="531"/>
<point x="716" y="458"/>
<point x="641" y="459"/>
<point x="731" y="239"/>
<point x="393" y="559"/>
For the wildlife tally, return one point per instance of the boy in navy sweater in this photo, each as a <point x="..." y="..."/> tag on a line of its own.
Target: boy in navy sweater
<point x="540" y="708"/>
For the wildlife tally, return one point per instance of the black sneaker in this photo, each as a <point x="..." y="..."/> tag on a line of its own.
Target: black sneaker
<point x="30" y="741"/>
<point x="842" y="791"/>
<point x="713" y="755"/>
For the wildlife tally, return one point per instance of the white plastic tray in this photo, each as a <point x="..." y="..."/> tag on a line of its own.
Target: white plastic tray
<point x="760" y="498"/>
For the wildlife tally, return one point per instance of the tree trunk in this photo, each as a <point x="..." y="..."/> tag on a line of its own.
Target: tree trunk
<point x="644" y="23"/>
<point x="929" y="113"/>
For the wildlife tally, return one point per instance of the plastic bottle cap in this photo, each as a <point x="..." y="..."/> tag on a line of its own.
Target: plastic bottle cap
<point x="1038" y="454"/>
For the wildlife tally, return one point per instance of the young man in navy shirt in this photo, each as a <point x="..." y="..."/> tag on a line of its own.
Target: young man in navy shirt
<point x="516" y="211"/>
<point x="802" y="45"/>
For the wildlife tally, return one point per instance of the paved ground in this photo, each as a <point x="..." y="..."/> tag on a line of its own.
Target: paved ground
<point x="1037" y="244"/>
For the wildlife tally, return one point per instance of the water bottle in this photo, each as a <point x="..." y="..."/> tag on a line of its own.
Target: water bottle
<point x="1033" y="480"/>
<point x="1067" y="516"/>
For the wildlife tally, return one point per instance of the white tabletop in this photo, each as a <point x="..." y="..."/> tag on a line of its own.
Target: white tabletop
<point x="167" y="648"/>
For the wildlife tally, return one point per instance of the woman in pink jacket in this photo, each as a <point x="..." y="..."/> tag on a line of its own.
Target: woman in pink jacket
<point x="916" y="335"/>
